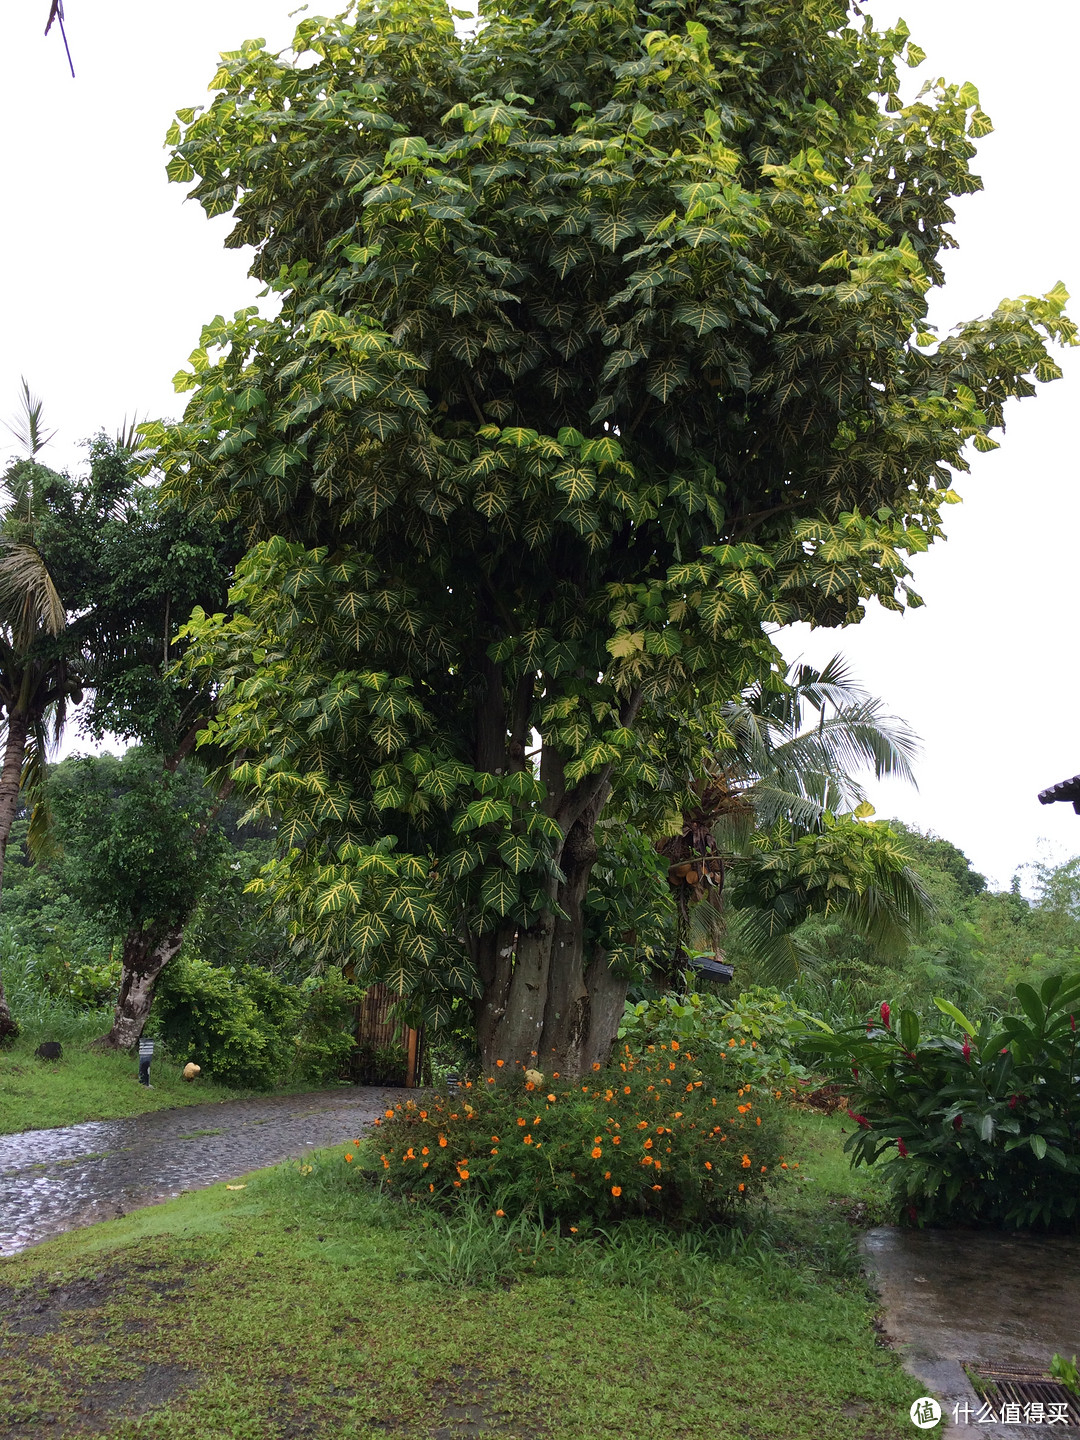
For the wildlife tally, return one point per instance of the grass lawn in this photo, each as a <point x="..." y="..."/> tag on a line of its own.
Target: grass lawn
<point x="87" y="1085"/>
<point x="308" y="1305"/>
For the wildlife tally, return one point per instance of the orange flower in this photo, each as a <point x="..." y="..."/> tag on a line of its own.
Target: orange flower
<point x="741" y="1186"/>
<point x="442" y="1141"/>
<point x="457" y="1184"/>
<point x="494" y="1139"/>
<point x="555" y="1074"/>
<point x="648" y="1144"/>
<point x="348" y="1159"/>
<point x="573" y="1229"/>
<point x="626" y="1089"/>
<point x="746" y="1162"/>
<point x="491" y="1079"/>
<point x="674" y="1044"/>
<point x="616" y="1139"/>
<point x="527" y="1140"/>
<point x="431" y="1188"/>
<point x="607" y="1174"/>
<point x="423" y="1114"/>
<point x="551" y="1099"/>
<point x="642" y="1124"/>
<point x="521" y="1120"/>
<point x="494" y="1150"/>
<point x="529" y="1085"/>
<point x="596" y="1064"/>
<point x="425" y="1164"/>
<point x="743" y="1109"/>
<point x="783" y="1165"/>
<point x="759" y="1119"/>
<point x="657" y="1187"/>
<point x="597" y="1152"/>
<point x="708" y="1164"/>
<point x="500" y="1063"/>
<point x="616" y="1190"/>
<point x="500" y="1212"/>
<point x="389" y="1114"/>
<point x="425" y="1151"/>
<point x="464" y="1174"/>
<point x="671" y="1065"/>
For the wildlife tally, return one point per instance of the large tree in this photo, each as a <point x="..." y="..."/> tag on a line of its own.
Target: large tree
<point x="36" y="675"/>
<point x="601" y="352"/>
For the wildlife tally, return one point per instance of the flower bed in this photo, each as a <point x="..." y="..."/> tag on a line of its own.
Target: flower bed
<point x="651" y="1134"/>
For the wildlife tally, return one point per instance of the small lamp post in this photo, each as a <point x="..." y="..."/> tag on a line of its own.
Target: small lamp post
<point x="146" y="1054"/>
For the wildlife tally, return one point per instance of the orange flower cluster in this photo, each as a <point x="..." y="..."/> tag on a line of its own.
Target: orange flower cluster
<point x="577" y="1130"/>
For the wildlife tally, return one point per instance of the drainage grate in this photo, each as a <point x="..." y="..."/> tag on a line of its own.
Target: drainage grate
<point x="1018" y="1397"/>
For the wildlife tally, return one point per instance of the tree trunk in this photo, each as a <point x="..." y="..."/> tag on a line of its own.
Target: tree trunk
<point x="545" y="1003"/>
<point x="10" y="778"/>
<point x="143" y="961"/>
<point x="557" y="1010"/>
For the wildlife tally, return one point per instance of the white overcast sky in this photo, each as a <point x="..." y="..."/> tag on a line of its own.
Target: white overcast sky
<point x="110" y="275"/>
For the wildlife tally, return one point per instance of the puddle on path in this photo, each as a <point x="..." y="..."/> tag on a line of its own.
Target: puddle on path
<point x="54" y="1180"/>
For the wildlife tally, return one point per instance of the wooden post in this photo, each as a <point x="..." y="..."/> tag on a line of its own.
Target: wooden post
<point x="412" y="1038"/>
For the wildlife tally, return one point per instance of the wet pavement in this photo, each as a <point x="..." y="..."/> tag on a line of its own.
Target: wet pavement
<point x="988" y="1300"/>
<point x="56" y="1180"/>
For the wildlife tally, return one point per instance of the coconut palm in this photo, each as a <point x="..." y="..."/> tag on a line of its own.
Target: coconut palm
<point x="36" y="680"/>
<point x="788" y="761"/>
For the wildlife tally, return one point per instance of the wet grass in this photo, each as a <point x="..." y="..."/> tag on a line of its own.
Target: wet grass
<point x="310" y="1304"/>
<point x="88" y="1085"/>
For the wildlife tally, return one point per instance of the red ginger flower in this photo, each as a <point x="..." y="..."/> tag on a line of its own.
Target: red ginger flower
<point x="901" y="1147"/>
<point x="885" y="1013"/>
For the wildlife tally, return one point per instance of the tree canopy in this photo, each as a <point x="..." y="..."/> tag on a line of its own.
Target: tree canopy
<point x="602" y="352"/>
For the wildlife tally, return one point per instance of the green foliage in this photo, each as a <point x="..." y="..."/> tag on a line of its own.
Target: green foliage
<point x="210" y="1016"/>
<point x="246" y="1027"/>
<point x="324" y="1040"/>
<point x="851" y="866"/>
<point x="654" y="1134"/>
<point x="1066" y="1371"/>
<point x="601" y="352"/>
<point x="749" y="1039"/>
<point x="139" y="840"/>
<point x="985" y="1127"/>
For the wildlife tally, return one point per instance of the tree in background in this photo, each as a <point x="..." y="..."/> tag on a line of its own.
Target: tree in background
<point x="96" y="576"/>
<point x="602" y="352"/>
<point x="140" y="846"/>
<point x="133" y="569"/>
<point x="780" y="813"/>
<point x="36" y="676"/>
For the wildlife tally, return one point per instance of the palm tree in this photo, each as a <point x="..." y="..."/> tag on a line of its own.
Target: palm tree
<point x="788" y="760"/>
<point x="36" y="681"/>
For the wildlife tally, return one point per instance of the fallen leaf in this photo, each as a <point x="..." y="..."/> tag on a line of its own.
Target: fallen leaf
<point x="236" y="1187"/>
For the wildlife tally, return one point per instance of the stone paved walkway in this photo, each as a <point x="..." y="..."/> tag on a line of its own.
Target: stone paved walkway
<point x="986" y="1299"/>
<point x="56" y="1180"/>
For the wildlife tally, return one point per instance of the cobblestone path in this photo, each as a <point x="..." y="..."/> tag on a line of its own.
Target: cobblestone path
<point x="55" y="1180"/>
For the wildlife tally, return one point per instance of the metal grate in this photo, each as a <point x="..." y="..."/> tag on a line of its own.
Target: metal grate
<point x="1003" y="1385"/>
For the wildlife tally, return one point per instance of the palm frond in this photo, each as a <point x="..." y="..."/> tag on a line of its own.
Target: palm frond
<point x="29" y="599"/>
<point x="27" y="426"/>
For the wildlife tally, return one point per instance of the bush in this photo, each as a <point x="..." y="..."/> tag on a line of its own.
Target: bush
<point x="324" y="1042"/>
<point x="982" y="1128"/>
<point x="210" y="1015"/>
<point x="650" y="1135"/>
<point x="753" y="1037"/>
